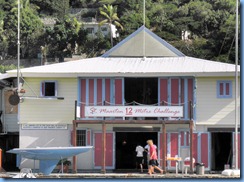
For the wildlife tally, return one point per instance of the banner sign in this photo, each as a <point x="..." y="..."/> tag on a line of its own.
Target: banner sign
<point x="44" y="126"/>
<point x="133" y="111"/>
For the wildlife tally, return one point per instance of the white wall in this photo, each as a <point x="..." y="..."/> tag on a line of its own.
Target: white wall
<point x="210" y="110"/>
<point x="43" y="111"/>
<point x="40" y="111"/>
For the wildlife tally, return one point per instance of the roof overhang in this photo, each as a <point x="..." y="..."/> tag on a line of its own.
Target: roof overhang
<point x="130" y="67"/>
<point x="127" y="74"/>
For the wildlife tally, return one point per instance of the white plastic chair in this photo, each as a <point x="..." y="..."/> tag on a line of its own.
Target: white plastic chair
<point x="186" y="164"/>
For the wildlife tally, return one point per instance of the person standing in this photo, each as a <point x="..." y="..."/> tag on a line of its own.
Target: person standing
<point x="147" y="149"/>
<point x="139" y="156"/>
<point x="153" y="160"/>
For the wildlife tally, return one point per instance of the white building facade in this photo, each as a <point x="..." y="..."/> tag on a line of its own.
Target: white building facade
<point x="142" y="70"/>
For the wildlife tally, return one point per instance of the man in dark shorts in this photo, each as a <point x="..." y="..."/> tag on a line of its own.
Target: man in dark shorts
<point x="153" y="160"/>
<point x="139" y="156"/>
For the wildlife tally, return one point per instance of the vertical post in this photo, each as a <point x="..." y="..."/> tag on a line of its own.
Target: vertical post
<point x="75" y="117"/>
<point x="103" y="170"/>
<point x="236" y="88"/>
<point x="1" y="155"/>
<point x="0" y="159"/>
<point x="74" y="144"/>
<point x="191" y="146"/>
<point x="18" y="48"/>
<point x="144" y="19"/>
<point x="164" y="147"/>
<point x="191" y="107"/>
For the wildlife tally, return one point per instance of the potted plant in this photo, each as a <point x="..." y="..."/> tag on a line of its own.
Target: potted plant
<point x="66" y="164"/>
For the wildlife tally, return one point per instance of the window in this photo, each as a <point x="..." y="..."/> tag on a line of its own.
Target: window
<point x="90" y="30"/>
<point x="224" y="89"/>
<point x="81" y="138"/>
<point x="49" y="89"/>
<point x="104" y="29"/>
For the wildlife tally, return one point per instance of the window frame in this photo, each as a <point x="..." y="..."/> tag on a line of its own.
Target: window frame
<point x="78" y="143"/>
<point x="224" y="95"/>
<point x="90" y="30"/>
<point x="42" y="90"/>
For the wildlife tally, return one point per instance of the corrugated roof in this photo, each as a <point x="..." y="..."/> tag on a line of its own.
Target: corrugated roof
<point x="126" y="60"/>
<point x="139" y="67"/>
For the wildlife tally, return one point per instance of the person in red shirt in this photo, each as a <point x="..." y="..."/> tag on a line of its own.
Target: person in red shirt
<point x="153" y="160"/>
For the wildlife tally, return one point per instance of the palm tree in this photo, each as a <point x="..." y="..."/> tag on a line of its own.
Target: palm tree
<point x="111" y="17"/>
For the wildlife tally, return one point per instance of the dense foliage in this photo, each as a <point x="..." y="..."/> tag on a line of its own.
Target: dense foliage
<point x="210" y="24"/>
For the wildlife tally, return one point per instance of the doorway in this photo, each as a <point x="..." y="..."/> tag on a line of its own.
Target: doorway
<point x="141" y="90"/>
<point x="221" y="150"/>
<point x="125" y="146"/>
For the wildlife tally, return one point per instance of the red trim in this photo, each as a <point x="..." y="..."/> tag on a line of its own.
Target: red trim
<point x="109" y="149"/>
<point x="82" y="97"/>
<point x="182" y="91"/>
<point x="88" y="135"/>
<point x="98" y="149"/>
<point x="99" y="92"/>
<point x="239" y="148"/>
<point x="174" y="146"/>
<point x="190" y="94"/>
<point x="187" y="138"/>
<point x="91" y="91"/>
<point x="181" y="138"/>
<point x="118" y="91"/>
<point x="160" y="147"/>
<point x="227" y="89"/>
<point x="107" y="90"/>
<point x="221" y="89"/>
<point x="194" y="149"/>
<point x="163" y="90"/>
<point x="204" y="149"/>
<point x="174" y="91"/>
<point x="190" y="89"/>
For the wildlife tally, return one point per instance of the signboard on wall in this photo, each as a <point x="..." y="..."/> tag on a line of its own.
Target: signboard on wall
<point x="44" y="126"/>
<point x="133" y="111"/>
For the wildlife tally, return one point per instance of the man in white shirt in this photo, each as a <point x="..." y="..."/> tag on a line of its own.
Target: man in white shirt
<point x="139" y="156"/>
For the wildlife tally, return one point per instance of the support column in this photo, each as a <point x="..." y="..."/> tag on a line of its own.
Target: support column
<point x="74" y="144"/>
<point x="164" y="147"/>
<point x="191" y="147"/>
<point x="103" y="170"/>
<point x="1" y="158"/>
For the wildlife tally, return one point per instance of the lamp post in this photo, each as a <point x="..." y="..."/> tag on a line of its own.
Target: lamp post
<point x="236" y="89"/>
<point x="18" y="45"/>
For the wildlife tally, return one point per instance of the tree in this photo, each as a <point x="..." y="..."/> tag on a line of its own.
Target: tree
<point x="61" y="39"/>
<point x="3" y="38"/>
<point x="30" y="26"/>
<point x="110" y="14"/>
<point x="55" y="8"/>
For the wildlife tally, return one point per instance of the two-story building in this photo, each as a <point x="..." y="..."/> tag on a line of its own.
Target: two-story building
<point x="143" y="88"/>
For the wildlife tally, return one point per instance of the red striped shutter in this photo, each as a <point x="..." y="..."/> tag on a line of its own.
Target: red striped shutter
<point x="98" y="149"/>
<point x="204" y="149"/>
<point x="174" y="149"/>
<point x="99" y="92"/>
<point x="88" y="137"/>
<point x="107" y="90"/>
<point x="118" y="91"/>
<point x="174" y="91"/>
<point x="163" y="90"/>
<point x="82" y="97"/>
<point x="91" y="91"/>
